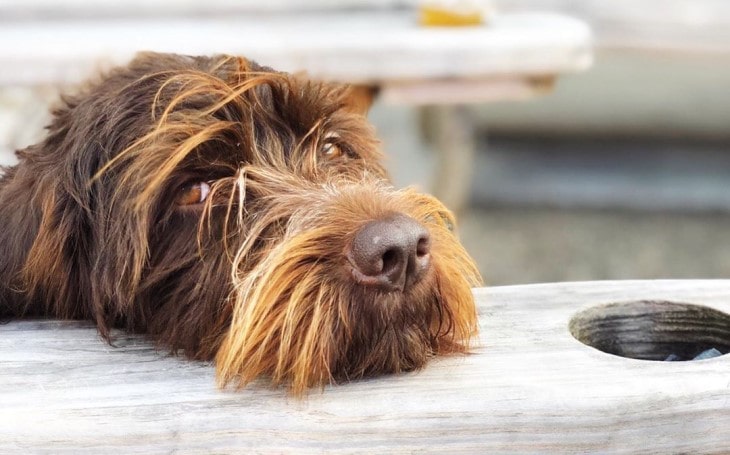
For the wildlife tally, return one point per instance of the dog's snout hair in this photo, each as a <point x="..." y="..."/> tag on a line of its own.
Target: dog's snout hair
<point x="212" y="203"/>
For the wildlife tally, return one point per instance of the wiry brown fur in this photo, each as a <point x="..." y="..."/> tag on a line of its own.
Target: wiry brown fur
<point x="256" y="276"/>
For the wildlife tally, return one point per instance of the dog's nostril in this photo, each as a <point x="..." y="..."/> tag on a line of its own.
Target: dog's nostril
<point x="390" y="259"/>
<point x="391" y="253"/>
<point x="423" y="248"/>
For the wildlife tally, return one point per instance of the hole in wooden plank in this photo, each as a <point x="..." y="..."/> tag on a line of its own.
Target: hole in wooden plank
<point x="653" y="330"/>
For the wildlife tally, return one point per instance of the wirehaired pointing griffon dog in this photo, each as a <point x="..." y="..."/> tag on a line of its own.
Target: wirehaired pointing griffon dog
<point x="233" y="213"/>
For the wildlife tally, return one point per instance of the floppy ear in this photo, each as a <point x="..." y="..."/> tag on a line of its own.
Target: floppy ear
<point x="19" y="225"/>
<point x="52" y="261"/>
<point x="43" y="252"/>
<point x="360" y="97"/>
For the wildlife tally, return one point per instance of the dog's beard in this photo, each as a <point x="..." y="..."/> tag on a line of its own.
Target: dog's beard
<point x="300" y="318"/>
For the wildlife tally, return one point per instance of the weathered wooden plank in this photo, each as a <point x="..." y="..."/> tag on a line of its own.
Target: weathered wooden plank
<point x="367" y="47"/>
<point x="141" y="8"/>
<point x="529" y="387"/>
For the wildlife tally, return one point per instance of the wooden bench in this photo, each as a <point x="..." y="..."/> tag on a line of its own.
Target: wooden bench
<point x="529" y="387"/>
<point x="514" y="57"/>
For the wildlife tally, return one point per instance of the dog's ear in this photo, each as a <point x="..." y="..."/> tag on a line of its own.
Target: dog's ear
<point x="62" y="238"/>
<point x="19" y="226"/>
<point x="360" y="97"/>
<point x="43" y="268"/>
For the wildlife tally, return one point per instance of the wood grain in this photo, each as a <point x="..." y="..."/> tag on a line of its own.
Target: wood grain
<point x="529" y="387"/>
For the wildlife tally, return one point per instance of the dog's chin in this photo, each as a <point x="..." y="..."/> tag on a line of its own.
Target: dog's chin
<point x="392" y="332"/>
<point x="304" y="322"/>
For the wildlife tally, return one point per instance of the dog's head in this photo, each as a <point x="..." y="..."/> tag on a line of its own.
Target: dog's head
<point x="234" y="212"/>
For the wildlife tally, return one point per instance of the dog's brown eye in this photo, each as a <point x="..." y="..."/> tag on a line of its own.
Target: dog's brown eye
<point x="330" y="148"/>
<point x="193" y="193"/>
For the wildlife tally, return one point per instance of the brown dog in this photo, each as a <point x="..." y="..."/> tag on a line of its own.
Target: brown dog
<point x="236" y="213"/>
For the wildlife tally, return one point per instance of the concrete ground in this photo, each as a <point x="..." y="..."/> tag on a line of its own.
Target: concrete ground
<point x="513" y="245"/>
<point x="563" y="209"/>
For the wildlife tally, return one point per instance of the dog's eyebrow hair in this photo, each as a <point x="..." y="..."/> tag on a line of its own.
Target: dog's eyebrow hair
<point x="227" y="95"/>
<point x="317" y="125"/>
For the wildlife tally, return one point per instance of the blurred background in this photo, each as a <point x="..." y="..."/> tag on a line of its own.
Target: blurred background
<point x="621" y="171"/>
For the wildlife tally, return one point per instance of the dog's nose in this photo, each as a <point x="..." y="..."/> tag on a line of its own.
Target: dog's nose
<point x="391" y="253"/>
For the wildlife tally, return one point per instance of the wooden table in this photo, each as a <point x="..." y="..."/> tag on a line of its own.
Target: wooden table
<point x="529" y="387"/>
<point x="514" y="57"/>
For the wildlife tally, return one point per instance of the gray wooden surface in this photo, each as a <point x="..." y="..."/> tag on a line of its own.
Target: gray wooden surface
<point x="529" y="387"/>
<point x="367" y="47"/>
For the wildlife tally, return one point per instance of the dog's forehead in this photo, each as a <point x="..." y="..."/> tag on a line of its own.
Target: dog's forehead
<point x="213" y="115"/>
<point x="189" y="82"/>
<point x="272" y="98"/>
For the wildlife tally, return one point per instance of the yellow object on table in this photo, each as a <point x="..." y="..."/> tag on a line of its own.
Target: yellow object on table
<point x="446" y="13"/>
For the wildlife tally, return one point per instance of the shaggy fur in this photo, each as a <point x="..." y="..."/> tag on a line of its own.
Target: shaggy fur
<point x="101" y="222"/>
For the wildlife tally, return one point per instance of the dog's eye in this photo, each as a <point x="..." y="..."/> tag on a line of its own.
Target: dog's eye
<point x="330" y="147"/>
<point x="330" y="150"/>
<point x="193" y="193"/>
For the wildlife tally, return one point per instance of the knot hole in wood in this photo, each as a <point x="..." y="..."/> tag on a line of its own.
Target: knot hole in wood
<point x="653" y="329"/>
